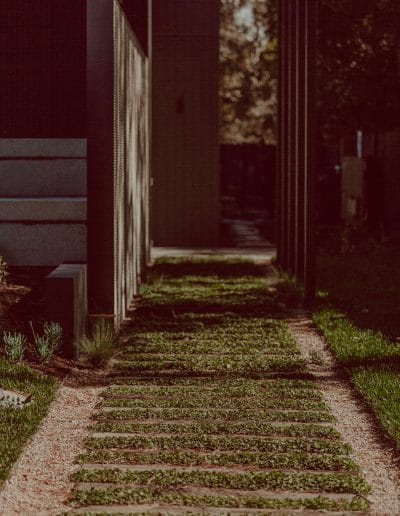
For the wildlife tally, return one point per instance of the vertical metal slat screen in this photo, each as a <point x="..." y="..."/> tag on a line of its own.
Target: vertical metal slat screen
<point x="297" y="141"/>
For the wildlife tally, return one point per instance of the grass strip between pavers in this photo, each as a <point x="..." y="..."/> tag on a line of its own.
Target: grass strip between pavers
<point x="17" y="425"/>
<point x="220" y="443"/>
<point x="146" y="495"/>
<point x="229" y="415"/>
<point x="209" y="364"/>
<point x="247" y="403"/>
<point x="202" y="374"/>
<point x="211" y="382"/>
<point x="249" y="480"/>
<point x="228" y="459"/>
<point x="229" y="392"/>
<point x="211" y="348"/>
<point x="250" y="428"/>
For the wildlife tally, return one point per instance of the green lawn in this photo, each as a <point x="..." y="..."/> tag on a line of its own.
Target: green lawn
<point x="18" y="425"/>
<point x="359" y="315"/>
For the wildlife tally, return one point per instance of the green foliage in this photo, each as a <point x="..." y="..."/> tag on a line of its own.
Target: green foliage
<point x="99" y="347"/>
<point x="358" y="316"/>
<point x="251" y="480"/>
<point x="17" y="426"/>
<point x="192" y="390"/>
<point x="3" y="270"/>
<point x="54" y="333"/>
<point x="293" y="461"/>
<point x="14" y="346"/>
<point x="381" y="389"/>
<point x="47" y="344"/>
<point x="43" y="349"/>
<point x="220" y="443"/>
<point x="151" y="495"/>
<point x="222" y="414"/>
<point x="359" y="73"/>
<point x="248" y="71"/>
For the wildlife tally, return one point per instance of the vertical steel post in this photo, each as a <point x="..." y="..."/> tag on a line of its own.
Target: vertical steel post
<point x="310" y="149"/>
<point x="297" y="141"/>
<point x="294" y="141"/>
<point x="285" y="134"/>
<point x="280" y="146"/>
<point x="301" y="134"/>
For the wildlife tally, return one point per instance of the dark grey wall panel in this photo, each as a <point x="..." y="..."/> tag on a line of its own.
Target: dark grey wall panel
<point x="185" y="146"/>
<point x="42" y="68"/>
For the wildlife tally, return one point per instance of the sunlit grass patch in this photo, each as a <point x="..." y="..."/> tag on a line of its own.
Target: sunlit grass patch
<point x="373" y="363"/>
<point x="381" y="389"/>
<point x="17" y="425"/>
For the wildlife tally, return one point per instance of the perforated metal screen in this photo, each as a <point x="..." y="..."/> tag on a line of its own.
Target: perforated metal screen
<point x="130" y="162"/>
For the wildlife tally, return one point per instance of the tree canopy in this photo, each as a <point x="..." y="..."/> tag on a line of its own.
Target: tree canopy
<point x="358" y="68"/>
<point x="358" y="62"/>
<point x="248" y="72"/>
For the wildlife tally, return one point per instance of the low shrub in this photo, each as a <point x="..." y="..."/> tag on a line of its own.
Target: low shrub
<point x="47" y="344"/>
<point x="99" y="347"/>
<point x="14" y="346"/>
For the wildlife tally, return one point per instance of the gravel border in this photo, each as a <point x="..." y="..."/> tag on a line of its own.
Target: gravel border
<point x="377" y="461"/>
<point x="39" y="481"/>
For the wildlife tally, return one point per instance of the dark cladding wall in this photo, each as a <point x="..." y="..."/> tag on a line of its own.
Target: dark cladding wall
<point x="185" y="146"/>
<point x="42" y="68"/>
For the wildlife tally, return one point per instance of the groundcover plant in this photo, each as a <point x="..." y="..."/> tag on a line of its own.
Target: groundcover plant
<point x="211" y="406"/>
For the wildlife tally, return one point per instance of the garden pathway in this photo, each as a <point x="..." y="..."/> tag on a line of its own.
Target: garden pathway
<point x="211" y="407"/>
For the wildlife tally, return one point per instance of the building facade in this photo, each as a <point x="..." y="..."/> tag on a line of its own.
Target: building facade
<point x="76" y="144"/>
